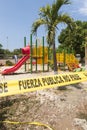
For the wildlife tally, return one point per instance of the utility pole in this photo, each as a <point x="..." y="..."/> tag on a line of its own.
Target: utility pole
<point x="7" y="42"/>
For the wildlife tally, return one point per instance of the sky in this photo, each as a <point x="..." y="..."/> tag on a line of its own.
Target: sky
<point x="17" y="17"/>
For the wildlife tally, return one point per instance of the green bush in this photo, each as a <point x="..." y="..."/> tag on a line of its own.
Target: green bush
<point x="9" y="63"/>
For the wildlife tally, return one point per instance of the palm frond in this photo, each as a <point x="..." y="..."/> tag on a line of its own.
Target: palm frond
<point x="58" y="4"/>
<point x="37" y="24"/>
<point x="45" y="12"/>
<point x="64" y="18"/>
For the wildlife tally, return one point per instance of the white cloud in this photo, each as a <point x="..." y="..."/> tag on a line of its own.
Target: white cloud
<point x="83" y="9"/>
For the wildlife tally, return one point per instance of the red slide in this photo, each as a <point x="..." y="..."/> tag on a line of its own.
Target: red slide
<point x="16" y="66"/>
<point x="26" y="51"/>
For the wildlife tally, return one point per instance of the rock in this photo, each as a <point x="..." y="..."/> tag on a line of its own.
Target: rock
<point x="80" y="122"/>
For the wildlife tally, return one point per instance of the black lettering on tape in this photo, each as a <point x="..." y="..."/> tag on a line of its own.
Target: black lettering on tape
<point x="31" y="83"/>
<point x="23" y="83"/>
<point x="48" y="81"/>
<point x="20" y="84"/>
<point x="39" y="83"/>
<point x="52" y="80"/>
<point x="44" y="81"/>
<point x="60" y="80"/>
<point x="75" y="77"/>
<point x="3" y="87"/>
<point x="66" y="78"/>
<point x="35" y="83"/>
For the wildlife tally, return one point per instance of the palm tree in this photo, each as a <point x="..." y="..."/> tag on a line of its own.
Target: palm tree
<point x="50" y="17"/>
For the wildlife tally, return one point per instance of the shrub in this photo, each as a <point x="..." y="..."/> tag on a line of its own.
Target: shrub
<point x="9" y="63"/>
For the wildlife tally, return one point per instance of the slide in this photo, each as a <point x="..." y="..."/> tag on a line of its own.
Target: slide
<point x="16" y="66"/>
<point x="26" y="52"/>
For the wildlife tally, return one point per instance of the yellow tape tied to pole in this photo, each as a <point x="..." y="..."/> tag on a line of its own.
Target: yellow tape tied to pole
<point x="20" y="86"/>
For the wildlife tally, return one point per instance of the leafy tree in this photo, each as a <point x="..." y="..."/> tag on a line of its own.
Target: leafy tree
<point x="74" y="39"/>
<point x="1" y="51"/>
<point x="1" y="46"/>
<point x="17" y="51"/>
<point x="50" y="17"/>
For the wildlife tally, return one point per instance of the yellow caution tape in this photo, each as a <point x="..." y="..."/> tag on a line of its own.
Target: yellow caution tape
<point x="30" y="123"/>
<point x="13" y="87"/>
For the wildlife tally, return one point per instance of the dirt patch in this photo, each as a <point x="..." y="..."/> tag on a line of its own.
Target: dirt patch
<point x="56" y="107"/>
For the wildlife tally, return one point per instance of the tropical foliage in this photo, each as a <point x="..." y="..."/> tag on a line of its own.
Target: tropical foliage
<point x="74" y="39"/>
<point x="50" y="16"/>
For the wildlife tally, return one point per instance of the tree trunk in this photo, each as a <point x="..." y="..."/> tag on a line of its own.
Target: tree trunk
<point x="55" y="59"/>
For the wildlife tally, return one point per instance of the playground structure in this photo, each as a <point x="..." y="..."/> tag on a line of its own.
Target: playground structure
<point x="68" y="59"/>
<point x="40" y="53"/>
<point x="35" y="55"/>
<point x="26" y="52"/>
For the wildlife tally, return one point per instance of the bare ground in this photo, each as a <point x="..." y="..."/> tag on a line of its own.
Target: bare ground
<point x="57" y="107"/>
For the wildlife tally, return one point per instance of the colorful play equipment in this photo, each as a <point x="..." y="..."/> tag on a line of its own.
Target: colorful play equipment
<point x="26" y="52"/>
<point x="40" y="53"/>
<point x="68" y="59"/>
<point x="37" y="54"/>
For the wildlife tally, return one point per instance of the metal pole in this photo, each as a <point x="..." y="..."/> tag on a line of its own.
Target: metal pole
<point x="43" y="52"/>
<point x="64" y="58"/>
<point x="31" y="52"/>
<point x="25" y="46"/>
<point x="36" y="55"/>
<point x="48" y="57"/>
